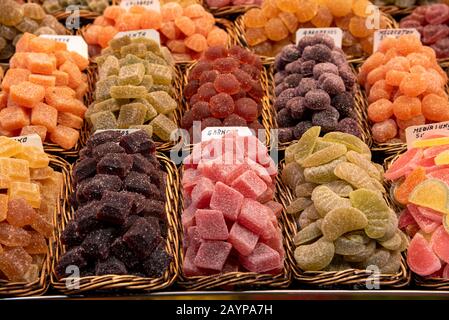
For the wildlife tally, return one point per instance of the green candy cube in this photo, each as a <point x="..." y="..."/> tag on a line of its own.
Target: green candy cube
<point x="161" y="87"/>
<point x="151" y="112"/>
<point x="110" y="67"/>
<point x="103" y="88"/>
<point x="163" y="127"/>
<point x="117" y="43"/>
<point x="128" y="92"/>
<point x="150" y="44"/>
<point x="131" y="114"/>
<point x="107" y="105"/>
<point x="153" y="58"/>
<point x="131" y="74"/>
<point x="137" y="49"/>
<point x="130" y="59"/>
<point x="103" y="120"/>
<point x="161" y="74"/>
<point x="147" y="82"/>
<point x="162" y="102"/>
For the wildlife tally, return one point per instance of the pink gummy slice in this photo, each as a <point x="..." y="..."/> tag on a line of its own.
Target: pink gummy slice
<point x="227" y="200"/>
<point x="427" y="225"/>
<point x="250" y="185"/>
<point x="276" y="207"/>
<point x="434" y="151"/>
<point x="262" y="259"/>
<point x="212" y="255"/>
<point x="436" y="274"/>
<point x="242" y="239"/>
<point x="446" y="272"/>
<point x="254" y="216"/>
<point x="441" y="174"/>
<point x="421" y="258"/>
<point x="211" y="224"/>
<point x="405" y="219"/>
<point x="403" y="163"/>
<point x="431" y="214"/>
<point x="425" y="162"/>
<point x="188" y="217"/>
<point x="440" y="243"/>
<point x="202" y="192"/>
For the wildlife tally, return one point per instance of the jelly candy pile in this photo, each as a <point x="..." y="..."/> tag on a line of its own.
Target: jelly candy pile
<point x="120" y="223"/>
<point x="421" y="185"/>
<point x="432" y="22"/>
<point x="27" y="207"/>
<point x="187" y="32"/>
<point x="53" y="6"/>
<point x="274" y="25"/>
<point x="230" y="218"/>
<point x="17" y="19"/>
<point x="134" y="88"/>
<point x="225" y="3"/>
<point x="224" y="89"/>
<point x="405" y="87"/>
<point x="345" y="221"/>
<point x="314" y="87"/>
<point x="43" y="91"/>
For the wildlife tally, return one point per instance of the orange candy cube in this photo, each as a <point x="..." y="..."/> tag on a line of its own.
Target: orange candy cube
<point x="44" y="115"/>
<point x="41" y="63"/>
<point x="70" y="120"/>
<point x="79" y="60"/>
<point x="14" y="76"/>
<point x="75" y="76"/>
<point x="44" y="45"/>
<point x="43" y="80"/>
<point x="61" y="78"/>
<point x="27" y="94"/>
<point x="23" y="45"/>
<point x="65" y="137"/>
<point x="41" y="131"/>
<point x="13" y="118"/>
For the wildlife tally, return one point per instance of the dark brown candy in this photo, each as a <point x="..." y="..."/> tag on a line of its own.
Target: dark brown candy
<point x="97" y="243"/>
<point x="71" y="236"/>
<point x="143" y="237"/>
<point x="118" y="164"/>
<point x="106" y="148"/>
<point x="138" y="142"/>
<point x="141" y="183"/>
<point x="120" y="250"/>
<point x="159" y="260"/>
<point x="110" y="266"/>
<point x="103" y="137"/>
<point x="84" y="168"/>
<point x="142" y="165"/>
<point x="100" y="183"/>
<point x="115" y="207"/>
<point x="155" y="208"/>
<point x="74" y="257"/>
<point x="86" y="218"/>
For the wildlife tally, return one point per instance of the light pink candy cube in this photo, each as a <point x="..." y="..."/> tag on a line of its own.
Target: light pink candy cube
<point x="202" y="193"/>
<point x="211" y="224"/>
<point x="262" y="259"/>
<point x="212" y="255"/>
<point x="227" y="200"/>
<point x="242" y="239"/>
<point x="250" y="185"/>
<point x="276" y="207"/>
<point x="254" y="216"/>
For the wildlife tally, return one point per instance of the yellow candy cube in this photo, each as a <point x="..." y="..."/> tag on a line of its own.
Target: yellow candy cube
<point x="9" y="147"/>
<point x="3" y="206"/>
<point x="15" y="169"/>
<point x="4" y="181"/>
<point x="29" y="191"/>
<point x="431" y="142"/>
<point x="442" y="158"/>
<point x="36" y="157"/>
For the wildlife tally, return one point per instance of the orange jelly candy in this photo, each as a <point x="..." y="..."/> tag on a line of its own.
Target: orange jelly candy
<point x="403" y="191"/>
<point x="405" y="107"/>
<point x="65" y="137"/>
<point x="27" y="94"/>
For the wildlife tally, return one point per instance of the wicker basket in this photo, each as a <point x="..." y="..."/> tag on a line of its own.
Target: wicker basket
<point x="126" y="282"/>
<point x="265" y="118"/>
<point x="235" y="280"/>
<point x="428" y="283"/>
<point x="360" y="112"/>
<point x="229" y="12"/>
<point x="396" y="11"/>
<point x="240" y="29"/>
<point x="177" y="95"/>
<point x="346" y="278"/>
<point x="40" y="286"/>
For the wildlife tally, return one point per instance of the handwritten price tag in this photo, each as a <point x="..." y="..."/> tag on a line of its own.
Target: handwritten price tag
<point x="381" y="34"/>
<point x="149" y="4"/>
<point x="210" y="133"/>
<point x="74" y="43"/>
<point x="32" y="140"/>
<point x="335" y="33"/>
<point x="414" y="133"/>
<point x="146" y="33"/>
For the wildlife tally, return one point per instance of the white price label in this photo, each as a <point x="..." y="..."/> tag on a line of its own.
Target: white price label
<point x="381" y="34"/>
<point x="210" y="133"/>
<point x="149" y="4"/>
<point x="32" y="140"/>
<point x="414" y="133"/>
<point x="335" y="33"/>
<point x="74" y="43"/>
<point x="122" y="131"/>
<point x="146" y="33"/>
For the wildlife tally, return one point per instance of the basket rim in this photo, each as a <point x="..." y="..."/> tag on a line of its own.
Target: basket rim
<point x="39" y="287"/>
<point x="240" y="279"/>
<point x="125" y="282"/>
<point x="331" y="278"/>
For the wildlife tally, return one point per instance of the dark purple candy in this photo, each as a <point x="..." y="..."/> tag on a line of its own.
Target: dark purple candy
<point x="285" y="134"/>
<point x="348" y="76"/>
<point x="115" y="207"/>
<point x="141" y="183"/>
<point x="300" y="128"/>
<point x="155" y="208"/>
<point x="141" y="164"/>
<point x="338" y="58"/>
<point x="279" y="88"/>
<point x="284" y="118"/>
<point x="103" y="149"/>
<point x="306" y="69"/>
<point x="317" y="100"/>
<point x="191" y="88"/>
<point x="283" y="98"/>
<point x="85" y="152"/>
<point x="234" y="120"/>
<point x="324" y="67"/>
<point x="100" y="183"/>
<point x="326" y="119"/>
<point x="86" y="218"/>
<point x="118" y="164"/>
<point x="156" y="264"/>
<point x="84" y="168"/>
<point x="305" y="42"/>
<point x="70" y="236"/>
<point x="143" y="236"/>
<point x="305" y="86"/>
<point x="332" y="83"/>
<point x="317" y="52"/>
<point x="294" y="67"/>
<point x="279" y="76"/>
<point x="290" y="53"/>
<point x="110" y="266"/>
<point x="293" y="80"/>
<point x="187" y="120"/>
<point x="349" y="125"/>
<point x="138" y="142"/>
<point x="97" y="243"/>
<point x="296" y="107"/>
<point x="279" y="63"/>
<point x="120" y="250"/>
<point x="103" y="137"/>
<point x="74" y="257"/>
<point x="344" y="103"/>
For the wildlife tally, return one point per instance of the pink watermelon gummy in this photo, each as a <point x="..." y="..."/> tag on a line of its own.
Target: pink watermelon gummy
<point x="405" y="219"/>
<point x="432" y="152"/>
<point x="211" y="224"/>
<point x="440" y="243"/>
<point x="431" y="214"/>
<point x="254" y="216"/>
<point x="262" y="259"/>
<point x="403" y="164"/>
<point x="227" y="200"/>
<point x="427" y="225"/>
<point x="421" y="258"/>
<point x="250" y="185"/>
<point x="212" y="255"/>
<point x="202" y="192"/>
<point x="242" y="239"/>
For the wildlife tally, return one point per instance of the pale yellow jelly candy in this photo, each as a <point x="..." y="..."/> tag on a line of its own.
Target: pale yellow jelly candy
<point x="36" y="157"/>
<point x="442" y="158"/>
<point x="28" y="191"/>
<point x="431" y="142"/>
<point x="15" y="169"/>
<point x="9" y="147"/>
<point x="432" y="194"/>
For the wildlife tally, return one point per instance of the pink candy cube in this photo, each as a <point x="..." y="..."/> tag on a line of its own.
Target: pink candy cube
<point x="262" y="259"/>
<point x="243" y="240"/>
<point x="227" y="200"/>
<point x="250" y="185"/>
<point x="254" y="216"/>
<point x="193" y="237"/>
<point x="212" y="255"/>
<point x="188" y="266"/>
<point x="211" y="224"/>
<point x="189" y="180"/>
<point x="202" y="192"/>
<point x="188" y="217"/>
<point x="276" y="207"/>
